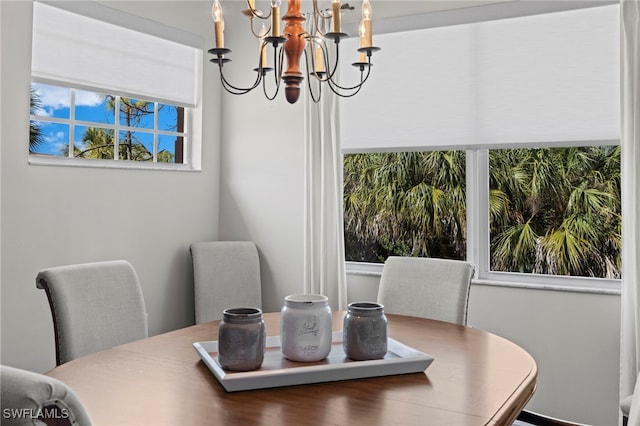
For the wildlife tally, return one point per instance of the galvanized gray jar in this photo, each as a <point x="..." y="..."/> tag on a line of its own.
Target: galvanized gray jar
<point x="364" y="331"/>
<point x="241" y="339"/>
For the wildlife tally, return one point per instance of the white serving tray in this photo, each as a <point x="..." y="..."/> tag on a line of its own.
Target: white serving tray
<point x="277" y="371"/>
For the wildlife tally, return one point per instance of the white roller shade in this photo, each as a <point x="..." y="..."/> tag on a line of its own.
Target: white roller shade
<point x="526" y="80"/>
<point x="90" y="53"/>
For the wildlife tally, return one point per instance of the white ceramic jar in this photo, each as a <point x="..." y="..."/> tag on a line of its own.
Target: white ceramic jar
<point x="306" y="327"/>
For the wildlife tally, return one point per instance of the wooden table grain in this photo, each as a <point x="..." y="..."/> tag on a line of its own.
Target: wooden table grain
<point x="477" y="378"/>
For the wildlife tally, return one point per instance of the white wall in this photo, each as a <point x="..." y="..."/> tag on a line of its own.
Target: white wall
<point x="58" y="215"/>
<point x="262" y="169"/>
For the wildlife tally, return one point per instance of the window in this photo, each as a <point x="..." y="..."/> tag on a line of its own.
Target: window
<point x="529" y="108"/>
<point x="121" y="88"/>
<point x="556" y="211"/>
<point x="76" y="123"/>
<point x="405" y="204"/>
<point x="552" y="211"/>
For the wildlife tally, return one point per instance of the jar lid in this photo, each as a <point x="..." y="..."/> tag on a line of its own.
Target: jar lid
<point x="242" y="315"/>
<point x="309" y="300"/>
<point x="366" y="307"/>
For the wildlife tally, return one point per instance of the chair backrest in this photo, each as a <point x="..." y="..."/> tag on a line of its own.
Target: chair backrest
<point x="226" y="274"/>
<point x="426" y="287"/>
<point x="27" y="395"/>
<point x="94" y="306"/>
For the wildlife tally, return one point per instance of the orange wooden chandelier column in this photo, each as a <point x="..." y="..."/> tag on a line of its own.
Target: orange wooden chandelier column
<point x="293" y="48"/>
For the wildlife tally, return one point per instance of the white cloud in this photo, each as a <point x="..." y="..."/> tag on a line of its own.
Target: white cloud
<point x="54" y="97"/>
<point x="88" y="98"/>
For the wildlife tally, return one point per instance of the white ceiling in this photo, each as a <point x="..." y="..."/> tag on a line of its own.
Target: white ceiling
<point x="384" y="9"/>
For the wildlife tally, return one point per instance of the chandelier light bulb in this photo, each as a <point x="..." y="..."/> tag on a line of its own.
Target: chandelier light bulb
<point x="367" y="13"/>
<point x="366" y="22"/>
<point x="216" y="12"/>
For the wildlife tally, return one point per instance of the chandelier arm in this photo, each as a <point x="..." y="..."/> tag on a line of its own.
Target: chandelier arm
<point x="336" y="89"/>
<point x="277" y="74"/>
<point x="325" y="54"/>
<point x="280" y="68"/>
<point x="363" y="77"/>
<point x="317" y="15"/>
<point x="264" y="90"/>
<point x="256" y="13"/>
<point x="253" y="31"/>
<point x="335" y="65"/>
<point x="309" y="74"/>
<point x="238" y="90"/>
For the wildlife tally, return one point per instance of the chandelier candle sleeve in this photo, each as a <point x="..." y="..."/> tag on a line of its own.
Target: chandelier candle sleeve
<point x="275" y="18"/>
<point x="218" y="24"/>
<point x="361" y="33"/>
<point x="336" y="16"/>
<point x="263" y="46"/>
<point x="319" y="60"/>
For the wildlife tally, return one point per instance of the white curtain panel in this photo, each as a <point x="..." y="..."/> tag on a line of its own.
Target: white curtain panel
<point x="324" y="261"/>
<point x="630" y="142"/>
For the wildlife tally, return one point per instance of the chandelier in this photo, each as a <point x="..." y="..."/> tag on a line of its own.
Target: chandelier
<point x="294" y="42"/>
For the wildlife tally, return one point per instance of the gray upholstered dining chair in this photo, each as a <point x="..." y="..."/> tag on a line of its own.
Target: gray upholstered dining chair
<point x="226" y="274"/>
<point x="32" y="398"/>
<point x="94" y="306"/>
<point x="426" y="287"/>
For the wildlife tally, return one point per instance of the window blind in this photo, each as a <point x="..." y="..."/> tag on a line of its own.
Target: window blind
<point x="106" y="50"/>
<point x="542" y="79"/>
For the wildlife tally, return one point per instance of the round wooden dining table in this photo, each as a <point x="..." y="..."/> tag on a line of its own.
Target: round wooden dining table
<point x="476" y="378"/>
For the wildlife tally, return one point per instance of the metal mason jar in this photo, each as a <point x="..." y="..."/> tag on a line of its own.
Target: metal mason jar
<point x="364" y="331"/>
<point x="241" y="339"/>
<point x="306" y="327"/>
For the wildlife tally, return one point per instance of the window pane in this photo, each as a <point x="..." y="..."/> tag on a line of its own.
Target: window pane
<point x="50" y="101"/>
<point x="167" y="147"/>
<point x="170" y="118"/>
<point x="556" y="211"/>
<point x="136" y="113"/>
<point x="93" y="142"/>
<point x="404" y="204"/>
<point x="136" y="146"/>
<point x="48" y="138"/>
<point x="94" y="107"/>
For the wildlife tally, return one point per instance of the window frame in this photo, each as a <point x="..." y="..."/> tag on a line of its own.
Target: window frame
<point x="478" y="241"/>
<point x="155" y="131"/>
